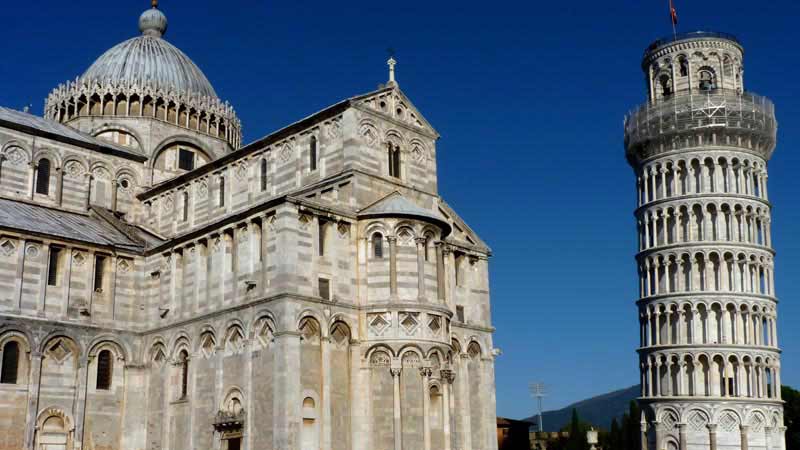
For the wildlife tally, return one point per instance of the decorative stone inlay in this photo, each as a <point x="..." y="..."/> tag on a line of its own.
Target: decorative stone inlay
<point x="409" y="321"/>
<point x="369" y="133"/>
<point x="32" y="252"/>
<point x="757" y="423"/>
<point x="334" y="129"/>
<point x="74" y="169"/>
<point x="411" y="359"/>
<point x="168" y="203"/>
<point x="286" y="152"/>
<point x="728" y="422"/>
<point x="77" y="258"/>
<point x="15" y="156"/>
<point x="241" y="170"/>
<point x="101" y="173"/>
<point x="343" y="229"/>
<point x="305" y="221"/>
<point x="435" y="324"/>
<point x="380" y="359"/>
<point x="418" y="154"/>
<point x="264" y="332"/>
<point x="58" y="351"/>
<point x="379" y="322"/>
<point x="8" y="248"/>
<point x="123" y="266"/>
<point x="697" y="421"/>
<point x="202" y="188"/>
<point x="339" y="335"/>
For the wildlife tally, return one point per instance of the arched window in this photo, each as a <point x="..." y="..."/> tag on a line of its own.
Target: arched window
<point x="684" y="66"/>
<point x="105" y="369"/>
<point x="666" y="85"/>
<point x="264" y="175"/>
<point x="377" y="245"/>
<point x="43" y="177"/>
<point x="183" y="359"/>
<point x="185" y="197"/>
<point x="312" y="154"/>
<point x="221" y="200"/>
<point x="427" y="248"/>
<point x="707" y="81"/>
<point x="8" y="373"/>
<point x="394" y="161"/>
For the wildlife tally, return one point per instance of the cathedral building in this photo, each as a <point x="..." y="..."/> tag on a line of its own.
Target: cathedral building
<point x="709" y="358"/>
<point x="165" y="287"/>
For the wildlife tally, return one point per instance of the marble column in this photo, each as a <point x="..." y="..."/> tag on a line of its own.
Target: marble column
<point x="398" y="423"/>
<point x="392" y="266"/>
<point x="421" y="294"/>
<point x="426" y="372"/>
<point x="448" y="376"/>
<point x="712" y="436"/>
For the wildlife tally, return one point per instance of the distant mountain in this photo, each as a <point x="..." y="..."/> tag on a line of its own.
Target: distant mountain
<point x="598" y="411"/>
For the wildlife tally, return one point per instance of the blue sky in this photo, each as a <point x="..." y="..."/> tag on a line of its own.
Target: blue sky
<point x="529" y="98"/>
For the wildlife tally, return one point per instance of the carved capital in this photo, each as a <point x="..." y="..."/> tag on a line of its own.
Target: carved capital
<point x="395" y="371"/>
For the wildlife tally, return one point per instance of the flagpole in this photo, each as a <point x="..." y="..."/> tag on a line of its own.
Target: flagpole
<point x="673" y="17"/>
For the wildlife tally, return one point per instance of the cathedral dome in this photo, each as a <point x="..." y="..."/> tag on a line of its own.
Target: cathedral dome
<point x="149" y="60"/>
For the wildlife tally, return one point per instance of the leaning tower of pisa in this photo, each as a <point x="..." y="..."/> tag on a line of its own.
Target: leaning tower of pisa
<point x="709" y="356"/>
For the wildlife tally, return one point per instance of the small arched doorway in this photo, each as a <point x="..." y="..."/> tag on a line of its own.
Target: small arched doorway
<point x="54" y="431"/>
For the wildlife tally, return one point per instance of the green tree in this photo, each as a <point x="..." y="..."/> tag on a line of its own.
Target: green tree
<point x="614" y="436"/>
<point x="791" y="417"/>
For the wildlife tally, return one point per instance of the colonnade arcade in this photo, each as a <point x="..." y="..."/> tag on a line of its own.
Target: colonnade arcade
<point x="720" y="323"/>
<point x="751" y="375"/>
<point x="709" y="221"/>
<point x="706" y="271"/>
<point x="201" y="114"/>
<point x="699" y="174"/>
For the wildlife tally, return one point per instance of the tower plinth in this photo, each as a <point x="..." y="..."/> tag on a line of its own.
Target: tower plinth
<point x="709" y="356"/>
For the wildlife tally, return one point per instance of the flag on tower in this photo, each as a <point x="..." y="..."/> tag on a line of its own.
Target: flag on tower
<point x="673" y="13"/>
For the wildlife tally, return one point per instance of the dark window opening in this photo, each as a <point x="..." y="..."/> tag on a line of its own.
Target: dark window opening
<point x="184" y="363"/>
<point x="99" y="272"/>
<point x="325" y="288"/>
<point x="235" y="444"/>
<point x="263" y="175"/>
<point x="684" y="67"/>
<point x="52" y="267"/>
<point x="221" y="200"/>
<point x="666" y="85"/>
<point x="105" y="366"/>
<point x="312" y="154"/>
<point x="10" y="363"/>
<point x="323" y="228"/>
<point x="460" y="313"/>
<point x="394" y="161"/>
<point x="185" y="206"/>
<point x="377" y="246"/>
<point x="707" y="82"/>
<point x="43" y="177"/>
<point x="185" y="159"/>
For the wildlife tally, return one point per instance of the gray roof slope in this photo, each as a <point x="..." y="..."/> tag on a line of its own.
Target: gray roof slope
<point x="396" y="205"/>
<point x="57" y="131"/>
<point x="62" y="224"/>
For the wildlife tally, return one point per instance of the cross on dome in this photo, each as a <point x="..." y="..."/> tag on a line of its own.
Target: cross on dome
<point x="391" y="63"/>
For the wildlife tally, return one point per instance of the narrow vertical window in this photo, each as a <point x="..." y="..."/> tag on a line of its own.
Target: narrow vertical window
<point x="396" y="164"/>
<point x="312" y="154"/>
<point x="99" y="272"/>
<point x="10" y="363"/>
<point x="52" y="267"/>
<point x="390" y="159"/>
<point x="105" y="369"/>
<point x="263" y="175"/>
<point x="322" y="228"/>
<point x="43" y="177"/>
<point x="460" y="313"/>
<point x="325" y="288"/>
<point x="221" y="201"/>
<point x="377" y="245"/>
<point x="185" y="197"/>
<point x="184" y="364"/>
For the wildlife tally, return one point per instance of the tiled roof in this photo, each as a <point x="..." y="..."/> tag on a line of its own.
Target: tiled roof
<point x="10" y="117"/>
<point x="396" y="205"/>
<point x="61" y="224"/>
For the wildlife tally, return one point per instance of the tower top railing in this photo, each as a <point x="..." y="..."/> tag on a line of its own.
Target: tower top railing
<point x="692" y="111"/>
<point x="658" y="43"/>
